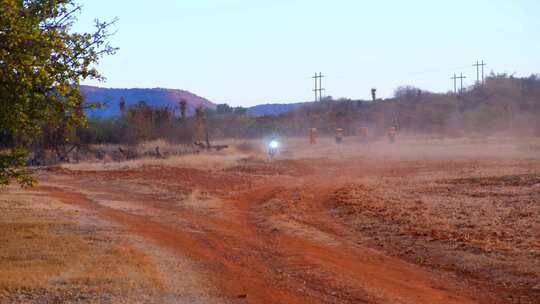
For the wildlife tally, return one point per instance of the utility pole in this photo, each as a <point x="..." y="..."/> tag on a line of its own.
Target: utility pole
<point x="315" y="89"/>
<point x="478" y="65"/>
<point x="318" y="86"/>
<point x="461" y="77"/>
<point x="454" y="78"/>
<point x="483" y="64"/>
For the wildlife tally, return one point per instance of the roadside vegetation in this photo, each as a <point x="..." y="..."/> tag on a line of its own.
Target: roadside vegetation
<point x="43" y="113"/>
<point x="42" y="62"/>
<point x="504" y="104"/>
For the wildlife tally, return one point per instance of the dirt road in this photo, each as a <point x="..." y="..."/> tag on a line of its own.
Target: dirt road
<point x="272" y="233"/>
<point x="347" y="229"/>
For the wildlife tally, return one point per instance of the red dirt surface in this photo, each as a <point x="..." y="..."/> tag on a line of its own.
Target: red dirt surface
<point x="334" y="231"/>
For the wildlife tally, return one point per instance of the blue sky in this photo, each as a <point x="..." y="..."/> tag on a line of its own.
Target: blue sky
<point x="252" y="52"/>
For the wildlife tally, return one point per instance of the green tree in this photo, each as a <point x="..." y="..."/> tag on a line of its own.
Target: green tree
<point x="42" y="62"/>
<point x="239" y="111"/>
<point x="183" y="109"/>
<point x="224" y="109"/>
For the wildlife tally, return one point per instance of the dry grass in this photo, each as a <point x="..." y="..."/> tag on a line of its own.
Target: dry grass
<point x="199" y="161"/>
<point x="479" y="226"/>
<point x="418" y="206"/>
<point x="161" y="143"/>
<point x="414" y="148"/>
<point x="408" y="147"/>
<point x="48" y="256"/>
<point x="180" y="156"/>
<point x="204" y="160"/>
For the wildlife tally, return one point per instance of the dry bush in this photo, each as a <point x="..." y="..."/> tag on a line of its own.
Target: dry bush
<point x="172" y="155"/>
<point x="246" y="146"/>
<point x="413" y="147"/>
<point x="199" y="161"/>
<point x="166" y="148"/>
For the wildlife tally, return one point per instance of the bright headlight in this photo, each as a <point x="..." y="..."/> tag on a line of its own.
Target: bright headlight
<point x="274" y="144"/>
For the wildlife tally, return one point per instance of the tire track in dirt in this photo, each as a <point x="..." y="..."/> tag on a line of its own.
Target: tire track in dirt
<point x="233" y="278"/>
<point x="346" y="265"/>
<point x="251" y="265"/>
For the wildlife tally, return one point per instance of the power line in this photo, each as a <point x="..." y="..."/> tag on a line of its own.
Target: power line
<point x="315" y="88"/>
<point x="318" y="86"/>
<point x="437" y="70"/>
<point x="483" y="64"/>
<point x="461" y="77"/>
<point x="478" y="65"/>
<point x="454" y="78"/>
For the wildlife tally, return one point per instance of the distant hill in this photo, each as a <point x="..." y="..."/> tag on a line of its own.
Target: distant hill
<point x="157" y="97"/>
<point x="275" y="108"/>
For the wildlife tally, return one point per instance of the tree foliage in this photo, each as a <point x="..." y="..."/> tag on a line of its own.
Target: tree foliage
<point x="503" y="105"/>
<point x="42" y="62"/>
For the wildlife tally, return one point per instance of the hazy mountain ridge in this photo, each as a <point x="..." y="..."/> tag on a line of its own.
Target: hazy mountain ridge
<point x="156" y="97"/>
<point x="160" y="97"/>
<point x="274" y="108"/>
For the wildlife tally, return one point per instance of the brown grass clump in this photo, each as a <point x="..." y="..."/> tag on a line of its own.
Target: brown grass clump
<point x="245" y="147"/>
<point x="173" y="155"/>
<point x="47" y="257"/>
<point x="199" y="161"/>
